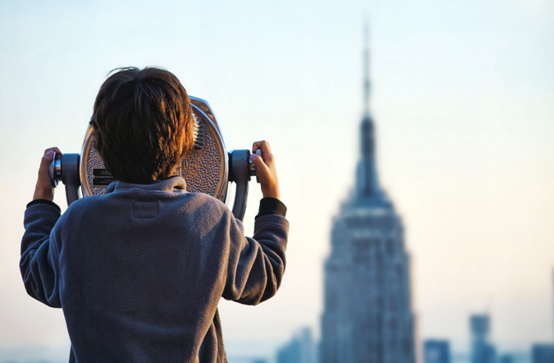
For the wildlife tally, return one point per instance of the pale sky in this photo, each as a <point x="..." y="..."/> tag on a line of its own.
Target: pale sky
<point x="463" y="100"/>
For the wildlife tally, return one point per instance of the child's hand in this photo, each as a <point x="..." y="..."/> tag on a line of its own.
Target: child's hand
<point x="265" y="169"/>
<point x="44" y="189"/>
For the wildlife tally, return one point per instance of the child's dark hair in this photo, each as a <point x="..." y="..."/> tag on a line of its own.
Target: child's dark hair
<point x="143" y="124"/>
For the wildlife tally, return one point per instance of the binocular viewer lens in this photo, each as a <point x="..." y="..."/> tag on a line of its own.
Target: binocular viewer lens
<point x="55" y="170"/>
<point x="208" y="168"/>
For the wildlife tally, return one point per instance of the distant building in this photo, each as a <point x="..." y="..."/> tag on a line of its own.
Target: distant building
<point x="507" y="358"/>
<point x="367" y="315"/>
<point x="300" y="349"/>
<point x="481" y="350"/>
<point x="542" y="353"/>
<point x="436" y="351"/>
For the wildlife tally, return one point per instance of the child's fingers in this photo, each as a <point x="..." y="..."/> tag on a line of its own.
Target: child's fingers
<point x="261" y="145"/>
<point x="266" y="150"/>
<point x="265" y="169"/>
<point x="44" y="188"/>
<point x="48" y="156"/>
<point x="259" y="162"/>
<point x="55" y="149"/>
<point x="46" y="161"/>
<point x="264" y="145"/>
<point x="262" y="170"/>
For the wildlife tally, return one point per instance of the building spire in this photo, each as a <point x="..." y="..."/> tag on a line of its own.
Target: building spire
<point x="366" y="68"/>
<point x="367" y="182"/>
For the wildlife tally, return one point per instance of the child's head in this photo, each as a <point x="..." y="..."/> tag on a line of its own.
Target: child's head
<point x="143" y="124"/>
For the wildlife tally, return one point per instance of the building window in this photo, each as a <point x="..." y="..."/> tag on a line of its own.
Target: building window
<point x="362" y="251"/>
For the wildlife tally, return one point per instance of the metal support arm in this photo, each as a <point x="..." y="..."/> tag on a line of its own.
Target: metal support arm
<point x="239" y="165"/>
<point x="70" y="176"/>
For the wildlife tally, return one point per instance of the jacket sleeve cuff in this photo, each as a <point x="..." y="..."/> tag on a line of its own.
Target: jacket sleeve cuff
<point x="44" y="201"/>
<point x="271" y="206"/>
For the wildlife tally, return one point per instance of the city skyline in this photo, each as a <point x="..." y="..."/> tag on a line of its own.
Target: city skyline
<point x="361" y="242"/>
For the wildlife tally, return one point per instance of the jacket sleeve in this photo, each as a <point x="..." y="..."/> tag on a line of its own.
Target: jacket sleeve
<point x="256" y="265"/>
<point x="39" y="253"/>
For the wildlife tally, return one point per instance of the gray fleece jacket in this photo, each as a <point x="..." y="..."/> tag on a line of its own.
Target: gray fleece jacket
<point x="139" y="271"/>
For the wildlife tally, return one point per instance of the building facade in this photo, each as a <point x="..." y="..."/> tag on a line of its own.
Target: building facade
<point x="542" y="353"/>
<point x="482" y="351"/>
<point x="300" y="349"/>
<point x="436" y="351"/>
<point x="367" y="314"/>
<point x="506" y="358"/>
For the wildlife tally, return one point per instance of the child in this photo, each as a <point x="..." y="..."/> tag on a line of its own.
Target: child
<point x="139" y="271"/>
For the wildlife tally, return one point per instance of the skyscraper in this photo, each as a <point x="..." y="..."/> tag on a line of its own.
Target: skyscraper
<point x="542" y="353"/>
<point x="436" y="351"/>
<point x="299" y="350"/>
<point x="367" y="305"/>
<point x="506" y="358"/>
<point x="481" y="350"/>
